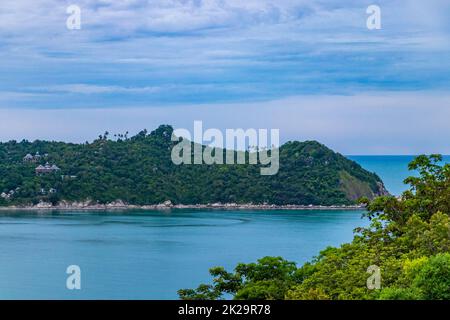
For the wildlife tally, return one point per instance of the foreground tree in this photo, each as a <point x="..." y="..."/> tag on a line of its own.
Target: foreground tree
<point x="269" y="278"/>
<point x="408" y="240"/>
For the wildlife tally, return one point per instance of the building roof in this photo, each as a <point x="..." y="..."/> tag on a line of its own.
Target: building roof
<point x="47" y="168"/>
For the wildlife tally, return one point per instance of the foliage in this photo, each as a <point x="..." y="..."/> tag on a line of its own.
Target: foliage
<point x="433" y="279"/>
<point x="138" y="170"/>
<point x="408" y="239"/>
<point x="268" y="279"/>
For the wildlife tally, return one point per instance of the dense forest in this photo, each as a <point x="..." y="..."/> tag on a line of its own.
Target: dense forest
<point x="407" y="246"/>
<point x="138" y="170"/>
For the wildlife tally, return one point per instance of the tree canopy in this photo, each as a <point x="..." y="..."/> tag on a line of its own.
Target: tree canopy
<point x="138" y="170"/>
<point x="408" y="240"/>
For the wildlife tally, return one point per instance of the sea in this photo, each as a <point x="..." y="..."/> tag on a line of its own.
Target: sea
<point x="153" y="254"/>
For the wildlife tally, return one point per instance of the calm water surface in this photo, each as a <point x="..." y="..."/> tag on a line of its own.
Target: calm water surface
<point x="391" y="169"/>
<point x="152" y="254"/>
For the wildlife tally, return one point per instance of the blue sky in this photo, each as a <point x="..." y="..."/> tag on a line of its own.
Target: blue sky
<point x="294" y="64"/>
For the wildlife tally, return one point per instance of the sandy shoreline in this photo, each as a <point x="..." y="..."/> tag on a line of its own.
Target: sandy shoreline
<point x="80" y="206"/>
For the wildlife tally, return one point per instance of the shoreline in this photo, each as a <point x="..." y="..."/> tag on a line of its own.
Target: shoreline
<point x="116" y="206"/>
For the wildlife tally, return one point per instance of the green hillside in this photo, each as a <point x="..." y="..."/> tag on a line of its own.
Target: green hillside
<point x="138" y="170"/>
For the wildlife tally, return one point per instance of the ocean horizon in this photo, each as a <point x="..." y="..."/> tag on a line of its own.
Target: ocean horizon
<point x="392" y="169"/>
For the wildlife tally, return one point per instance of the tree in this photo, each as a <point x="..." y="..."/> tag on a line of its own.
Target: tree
<point x="433" y="278"/>
<point x="408" y="240"/>
<point x="269" y="278"/>
<point x="139" y="170"/>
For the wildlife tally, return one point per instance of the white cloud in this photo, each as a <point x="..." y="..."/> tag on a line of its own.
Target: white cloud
<point x="130" y="18"/>
<point x="134" y="50"/>
<point x="93" y="89"/>
<point x="371" y="123"/>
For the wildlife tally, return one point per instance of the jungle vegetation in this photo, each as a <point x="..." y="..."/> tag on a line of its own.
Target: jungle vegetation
<point x="408" y="241"/>
<point x="138" y="170"/>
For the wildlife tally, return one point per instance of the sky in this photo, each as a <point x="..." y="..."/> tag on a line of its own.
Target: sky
<point x="309" y="68"/>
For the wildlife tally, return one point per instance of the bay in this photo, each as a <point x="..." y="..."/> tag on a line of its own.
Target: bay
<point x="152" y="254"/>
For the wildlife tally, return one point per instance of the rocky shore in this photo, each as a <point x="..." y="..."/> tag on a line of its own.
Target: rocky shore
<point x="168" y="205"/>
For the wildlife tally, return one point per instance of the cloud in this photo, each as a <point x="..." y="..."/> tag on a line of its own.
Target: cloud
<point x="93" y="89"/>
<point x="367" y="123"/>
<point x="139" y="63"/>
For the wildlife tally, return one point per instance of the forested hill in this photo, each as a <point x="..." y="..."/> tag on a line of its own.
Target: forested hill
<point x="138" y="170"/>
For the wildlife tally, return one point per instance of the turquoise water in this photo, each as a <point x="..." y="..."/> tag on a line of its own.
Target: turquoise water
<point x="150" y="255"/>
<point x="391" y="169"/>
